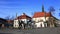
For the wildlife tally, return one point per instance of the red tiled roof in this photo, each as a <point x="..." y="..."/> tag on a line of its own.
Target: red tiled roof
<point x="41" y="14"/>
<point x="24" y="16"/>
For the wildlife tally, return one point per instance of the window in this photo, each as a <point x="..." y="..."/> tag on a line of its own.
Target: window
<point x="41" y="20"/>
<point x="15" y="25"/>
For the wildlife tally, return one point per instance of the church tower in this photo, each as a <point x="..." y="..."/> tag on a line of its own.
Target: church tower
<point x="44" y="12"/>
<point x="42" y="8"/>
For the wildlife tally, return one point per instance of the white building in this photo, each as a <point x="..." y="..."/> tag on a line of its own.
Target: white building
<point x="23" y="18"/>
<point x="43" y="19"/>
<point x="16" y="24"/>
<point x="39" y="19"/>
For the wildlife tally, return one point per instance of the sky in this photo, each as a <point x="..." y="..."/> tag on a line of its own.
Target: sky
<point x="11" y="7"/>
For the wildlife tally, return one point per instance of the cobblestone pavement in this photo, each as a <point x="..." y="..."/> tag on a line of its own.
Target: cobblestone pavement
<point x="55" y="30"/>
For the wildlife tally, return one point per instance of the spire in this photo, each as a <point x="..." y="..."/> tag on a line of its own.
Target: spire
<point x="44" y="12"/>
<point x="42" y="8"/>
<point x="16" y="15"/>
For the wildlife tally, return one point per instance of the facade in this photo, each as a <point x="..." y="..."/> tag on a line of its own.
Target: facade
<point x="10" y="23"/>
<point x="39" y="19"/>
<point x="43" y="19"/>
<point x="57" y="22"/>
<point x="23" y="18"/>
<point x="2" y="22"/>
<point x="16" y="24"/>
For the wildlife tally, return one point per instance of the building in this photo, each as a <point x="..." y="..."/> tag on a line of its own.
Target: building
<point x="10" y="23"/>
<point x="16" y="23"/>
<point x="23" y="18"/>
<point x="39" y="19"/>
<point x="43" y="19"/>
<point x="57" y="22"/>
<point x="3" y="22"/>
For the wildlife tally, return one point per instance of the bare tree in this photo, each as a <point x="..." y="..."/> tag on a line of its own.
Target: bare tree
<point x="51" y="19"/>
<point x="59" y="13"/>
<point x="51" y="9"/>
<point x="12" y="18"/>
<point x="7" y="17"/>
